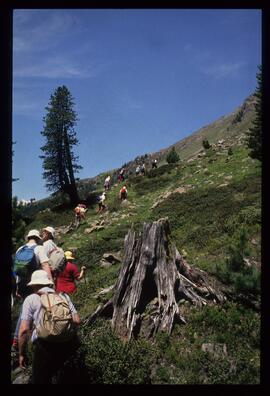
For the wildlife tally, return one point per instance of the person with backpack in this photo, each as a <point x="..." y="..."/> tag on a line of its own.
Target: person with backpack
<point x="121" y="175"/>
<point x="80" y="211"/>
<point x="27" y="259"/>
<point x="52" y="319"/>
<point x="123" y="193"/>
<point x="66" y="280"/>
<point x="55" y="254"/>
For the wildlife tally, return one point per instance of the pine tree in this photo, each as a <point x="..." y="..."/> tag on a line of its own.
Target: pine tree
<point x="59" y="161"/>
<point x="206" y="144"/>
<point x="172" y="157"/>
<point x="254" y="134"/>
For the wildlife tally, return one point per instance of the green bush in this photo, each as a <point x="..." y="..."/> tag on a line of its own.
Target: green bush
<point x="172" y="156"/>
<point x="112" y="361"/>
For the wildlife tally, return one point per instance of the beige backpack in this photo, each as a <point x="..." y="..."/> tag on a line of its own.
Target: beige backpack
<point x="56" y="324"/>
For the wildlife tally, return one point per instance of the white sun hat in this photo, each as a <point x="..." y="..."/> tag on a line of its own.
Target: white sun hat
<point x="40" y="277"/>
<point x="33" y="233"/>
<point x="51" y="230"/>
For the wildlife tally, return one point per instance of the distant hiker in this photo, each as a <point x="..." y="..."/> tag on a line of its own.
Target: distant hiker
<point x="101" y="202"/>
<point x="137" y="170"/>
<point x="80" y="211"/>
<point x="53" y="341"/>
<point x="143" y="170"/>
<point x="27" y="259"/>
<point x="65" y="281"/>
<point x="121" y="175"/>
<point x="107" y="183"/>
<point x="154" y="164"/>
<point x="123" y="193"/>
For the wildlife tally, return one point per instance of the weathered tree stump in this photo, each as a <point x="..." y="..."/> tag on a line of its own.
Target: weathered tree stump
<point x="153" y="279"/>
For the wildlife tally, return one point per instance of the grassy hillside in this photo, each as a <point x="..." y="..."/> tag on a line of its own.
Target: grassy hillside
<point x="213" y="202"/>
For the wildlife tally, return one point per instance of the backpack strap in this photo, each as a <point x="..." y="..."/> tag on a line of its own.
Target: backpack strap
<point x="49" y="302"/>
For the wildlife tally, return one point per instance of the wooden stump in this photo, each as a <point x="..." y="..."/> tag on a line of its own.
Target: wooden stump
<point x="153" y="279"/>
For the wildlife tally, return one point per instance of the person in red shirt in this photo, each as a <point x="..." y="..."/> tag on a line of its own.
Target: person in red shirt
<point x="65" y="281"/>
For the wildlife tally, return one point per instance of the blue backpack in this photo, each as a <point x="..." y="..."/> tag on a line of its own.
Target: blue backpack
<point x="25" y="263"/>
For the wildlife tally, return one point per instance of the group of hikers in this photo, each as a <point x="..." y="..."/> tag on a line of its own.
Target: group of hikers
<point x="43" y="278"/>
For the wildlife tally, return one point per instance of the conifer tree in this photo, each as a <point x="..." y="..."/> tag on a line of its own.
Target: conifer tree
<point x="254" y="134"/>
<point x="59" y="161"/>
<point x="172" y="157"/>
<point x="206" y="144"/>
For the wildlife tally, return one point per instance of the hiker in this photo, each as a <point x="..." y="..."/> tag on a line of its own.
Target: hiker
<point x="49" y="353"/>
<point x="107" y="183"/>
<point x="80" y="211"/>
<point x="65" y="281"/>
<point x="28" y="258"/>
<point x="48" y="235"/>
<point x="101" y="203"/>
<point x="143" y="169"/>
<point x="53" y="252"/>
<point x="154" y="164"/>
<point x="121" y="175"/>
<point x="83" y="210"/>
<point x="137" y="170"/>
<point x="123" y="193"/>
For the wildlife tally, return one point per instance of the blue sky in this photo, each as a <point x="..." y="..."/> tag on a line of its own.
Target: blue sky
<point x="141" y="79"/>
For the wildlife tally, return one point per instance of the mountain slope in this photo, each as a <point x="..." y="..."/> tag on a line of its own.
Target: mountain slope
<point x="213" y="203"/>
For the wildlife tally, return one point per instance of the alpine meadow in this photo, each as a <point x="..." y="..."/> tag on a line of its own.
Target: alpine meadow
<point x="172" y="287"/>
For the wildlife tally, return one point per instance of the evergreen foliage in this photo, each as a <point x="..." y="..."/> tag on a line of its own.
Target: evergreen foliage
<point x="19" y="222"/>
<point x="238" y="117"/>
<point x="230" y="151"/>
<point x="254" y="134"/>
<point x="206" y="144"/>
<point x="172" y="157"/>
<point x="59" y="161"/>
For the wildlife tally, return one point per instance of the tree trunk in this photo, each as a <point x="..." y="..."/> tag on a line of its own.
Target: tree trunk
<point x="153" y="279"/>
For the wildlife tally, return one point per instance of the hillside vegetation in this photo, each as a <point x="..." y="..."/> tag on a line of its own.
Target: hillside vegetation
<point x="213" y="203"/>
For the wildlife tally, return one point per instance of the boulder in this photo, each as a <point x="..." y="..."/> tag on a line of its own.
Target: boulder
<point x="217" y="350"/>
<point x="108" y="259"/>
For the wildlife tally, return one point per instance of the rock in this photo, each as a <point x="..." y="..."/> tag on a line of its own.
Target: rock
<point x="217" y="350"/>
<point x="107" y="290"/>
<point x="247" y="262"/>
<point x="111" y="257"/>
<point x="22" y="378"/>
<point x="105" y="264"/>
<point x="223" y="185"/>
<point x="125" y="203"/>
<point x="95" y="228"/>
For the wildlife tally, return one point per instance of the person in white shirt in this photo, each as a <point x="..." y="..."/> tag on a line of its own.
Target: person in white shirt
<point x="101" y="203"/>
<point x="107" y="183"/>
